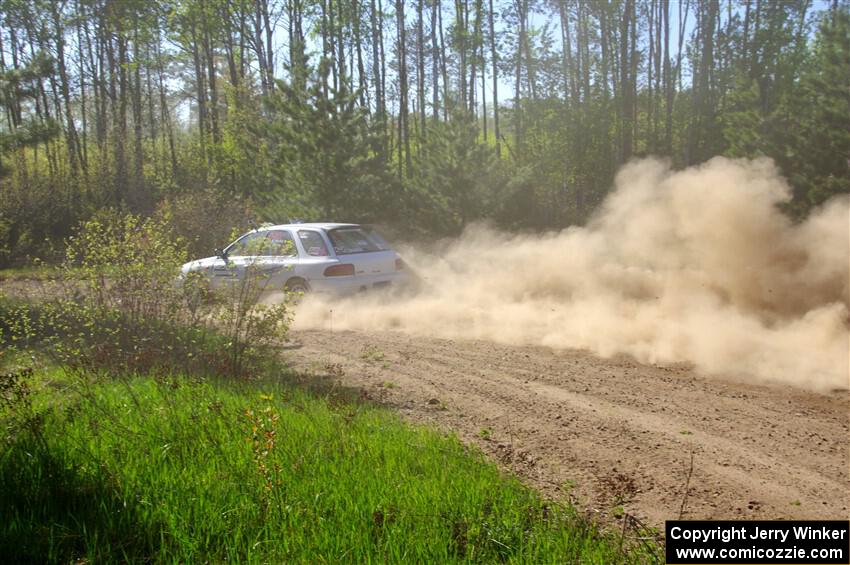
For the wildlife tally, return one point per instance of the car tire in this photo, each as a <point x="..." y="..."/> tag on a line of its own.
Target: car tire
<point x="297" y="286"/>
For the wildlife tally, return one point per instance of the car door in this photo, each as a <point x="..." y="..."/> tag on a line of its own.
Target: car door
<point x="278" y="258"/>
<point x="243" y="252"/>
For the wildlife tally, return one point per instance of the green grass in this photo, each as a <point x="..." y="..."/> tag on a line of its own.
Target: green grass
<point x="169" y="470"/>
<point x="372" y="353"/>
<point x="29" y="272"/>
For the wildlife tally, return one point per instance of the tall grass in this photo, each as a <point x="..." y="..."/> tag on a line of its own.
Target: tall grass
<point x="175" y="470"/>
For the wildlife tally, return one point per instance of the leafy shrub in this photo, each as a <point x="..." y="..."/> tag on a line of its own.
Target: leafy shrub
<point x="119" y="307"/>
<point x="125" y="263"/>
<point x="206" y="218"/>
<point x="33" y="215"/>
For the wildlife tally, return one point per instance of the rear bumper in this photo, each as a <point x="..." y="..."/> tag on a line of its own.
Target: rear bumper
<point x="358" y="283"/>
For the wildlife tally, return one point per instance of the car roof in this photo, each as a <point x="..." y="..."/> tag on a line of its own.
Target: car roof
<point x="314" y="225"/>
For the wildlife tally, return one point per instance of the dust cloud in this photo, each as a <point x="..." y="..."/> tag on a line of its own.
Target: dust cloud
<point x="694" y="266"/>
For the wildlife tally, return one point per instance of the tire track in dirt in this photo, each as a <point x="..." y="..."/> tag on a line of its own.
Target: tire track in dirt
<point x="612" y="434"/>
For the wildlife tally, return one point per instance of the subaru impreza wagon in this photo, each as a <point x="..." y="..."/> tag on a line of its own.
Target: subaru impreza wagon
<point x="314" y="257"/>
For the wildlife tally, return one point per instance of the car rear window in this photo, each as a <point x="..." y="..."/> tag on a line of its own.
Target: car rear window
<point x="347" y="241"/>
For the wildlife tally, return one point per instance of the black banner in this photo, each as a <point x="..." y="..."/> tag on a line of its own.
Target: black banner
<point x="812" y="542"/>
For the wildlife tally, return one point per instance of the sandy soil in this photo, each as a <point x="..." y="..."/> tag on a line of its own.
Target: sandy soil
<point x="655" y="442"/>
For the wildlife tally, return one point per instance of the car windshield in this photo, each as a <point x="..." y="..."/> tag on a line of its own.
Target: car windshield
<point x="356" y="240"/>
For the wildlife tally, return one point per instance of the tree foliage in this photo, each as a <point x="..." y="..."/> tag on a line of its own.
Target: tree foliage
<point x="422" y="115"/>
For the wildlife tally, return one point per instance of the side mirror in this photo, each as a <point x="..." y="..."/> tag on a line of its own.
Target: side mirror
<point x="220" y="253"/>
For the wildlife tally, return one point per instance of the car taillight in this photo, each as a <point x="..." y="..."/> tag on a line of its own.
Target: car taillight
<point x="341" y="270"/>
<point x="400" y="265"/>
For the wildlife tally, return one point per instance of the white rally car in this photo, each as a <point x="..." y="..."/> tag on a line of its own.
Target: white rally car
<point x="317" y="257"/>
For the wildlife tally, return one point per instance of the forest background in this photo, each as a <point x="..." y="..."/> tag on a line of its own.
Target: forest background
<point x="419" y="115"/>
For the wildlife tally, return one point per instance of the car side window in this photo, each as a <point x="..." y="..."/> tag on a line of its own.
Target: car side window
<point x="249" y="244"/>
<point x="347" y="241"/>
<point x="313" y="243"/>
<point x="280" y="244"/>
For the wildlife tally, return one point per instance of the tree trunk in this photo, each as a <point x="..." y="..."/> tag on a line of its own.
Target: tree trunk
<point x="435" y="63"/>
<point x="259" y="47"/>
<point x="443" y="67"/>
<point x="404" y="127"/>
<point x="494" y="55"/>
<point x="420" y="65"/>
<point x="383" y="56"/>
<point x="461" y="32"/>
<point x="376" y="62"/>
<point x="75" y="156"/>
<point x="626" y="82"/>
<point x="138" y="153"/>
<point x="476" y="44"/>
<point x="168" y="130"/>
<point x="531" y="73"/>
<point x="605" y="47"/>
<point x="83" y="117"/>
<point x="570" y="93"/>
<point x="362" y="83"/>
<point x="340" y="43"/>
<point x="668" y="81"/>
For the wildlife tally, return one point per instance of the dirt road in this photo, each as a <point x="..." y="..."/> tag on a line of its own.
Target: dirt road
<point x="615" y="435"/>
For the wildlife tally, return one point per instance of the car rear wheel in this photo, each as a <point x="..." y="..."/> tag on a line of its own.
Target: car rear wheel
<point x="297" y="287"/>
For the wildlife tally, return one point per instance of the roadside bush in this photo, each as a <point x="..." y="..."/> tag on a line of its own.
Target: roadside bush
<point x="33" y="216"/>
<point x="119" y="307"/>
<point x="206" y="219"/>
